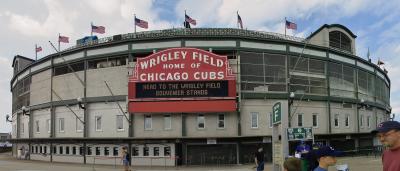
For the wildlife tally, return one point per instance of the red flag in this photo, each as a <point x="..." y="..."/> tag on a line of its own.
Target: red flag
<point x="380" y="62"/>
<point x="38" y="49"/>
<point x="63" y="39"/>
<point x="98" y="29"/>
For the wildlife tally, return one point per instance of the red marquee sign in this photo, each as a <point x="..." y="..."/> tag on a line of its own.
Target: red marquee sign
<point x="182" y="80"/>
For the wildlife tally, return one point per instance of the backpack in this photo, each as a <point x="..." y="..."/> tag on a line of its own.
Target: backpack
<point x="127" y="156"/>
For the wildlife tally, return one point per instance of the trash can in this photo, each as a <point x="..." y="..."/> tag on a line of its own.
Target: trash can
<point x="342" y="167"/>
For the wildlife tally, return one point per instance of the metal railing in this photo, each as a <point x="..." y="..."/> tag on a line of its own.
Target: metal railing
<point x="365" y="151"/>
<point x="195" y="32"/>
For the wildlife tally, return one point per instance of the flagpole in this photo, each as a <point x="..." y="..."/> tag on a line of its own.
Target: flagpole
<point x="59" y="42"/>
<point x="35" y="52"/>
<point x="134" y="15"/>
<point x="285" y="26"/>
<point x="184" y="23"/>
<point x="91" y="29"/>
<point x="237" y="17"/>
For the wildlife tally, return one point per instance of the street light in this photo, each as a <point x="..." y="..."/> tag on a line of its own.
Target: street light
<point x="8" y="118"/>
<point x="392" y="117"/>
<point x="79" y="99"/>
<point x="361" y="104"/>
<point x="291" y="98"/>
<point x="25" y="110"/>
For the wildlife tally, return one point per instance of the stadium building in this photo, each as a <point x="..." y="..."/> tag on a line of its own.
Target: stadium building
<point x="194" y="96"/>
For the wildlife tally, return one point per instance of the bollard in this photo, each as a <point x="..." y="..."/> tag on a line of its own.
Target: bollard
<point x="94" y="162"/>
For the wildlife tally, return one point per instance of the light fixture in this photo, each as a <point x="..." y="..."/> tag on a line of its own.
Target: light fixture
<point x="291" y="97"/>
<point x="79" y="99"/>
<point x="8" y="118"/>
<point x="392" y="117"/>
<point x="361" y="104"/>
<point x="24" y="110"/>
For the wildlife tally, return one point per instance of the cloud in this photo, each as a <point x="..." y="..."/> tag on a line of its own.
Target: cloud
<point x="104" y="7"/>
<point x="396" y="109"/>
<point x="58" y="20"/>
<point x="258" y="14"/>
<point x="5" y="100"/>
<point x="389" y="53"/>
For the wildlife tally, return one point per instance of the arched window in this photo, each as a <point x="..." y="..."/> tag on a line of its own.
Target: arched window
<point x="339" y="40"/>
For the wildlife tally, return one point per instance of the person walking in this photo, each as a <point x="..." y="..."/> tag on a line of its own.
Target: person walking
<point x="259" y="159"/>
<point x="388" y="133"/>
<point x="125" y="158"/>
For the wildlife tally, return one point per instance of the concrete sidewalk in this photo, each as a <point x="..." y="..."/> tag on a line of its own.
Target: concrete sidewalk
<point x="8" y="163"/>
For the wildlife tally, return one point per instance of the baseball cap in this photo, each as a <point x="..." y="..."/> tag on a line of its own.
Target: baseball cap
<point x="327" y="151"/>
<point x="386" y="126"/>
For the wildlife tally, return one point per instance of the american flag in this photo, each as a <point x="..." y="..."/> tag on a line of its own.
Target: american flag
<point x="63" y="39"/>
<point x="190" y="20"/>
<point x="98" y="29"/>
<point x="290" y="25"/>
<point x="240" y="21"/>
<point x="141" y="23"/>
<point x="380" y="62"/>
<point x="38" y="49"/>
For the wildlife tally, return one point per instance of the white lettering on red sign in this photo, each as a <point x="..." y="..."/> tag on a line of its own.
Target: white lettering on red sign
<point x="182" y="64"/>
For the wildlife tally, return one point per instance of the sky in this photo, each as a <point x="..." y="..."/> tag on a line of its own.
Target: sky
<point x="24" y="23"/>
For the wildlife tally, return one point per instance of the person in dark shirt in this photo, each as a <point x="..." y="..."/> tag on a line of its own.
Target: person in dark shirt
<point x="301" y="149"/>
<point x="259" y="159"/>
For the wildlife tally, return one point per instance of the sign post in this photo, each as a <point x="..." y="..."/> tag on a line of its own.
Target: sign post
<point x="280" y="144"/>
<point x="277" y="113"/>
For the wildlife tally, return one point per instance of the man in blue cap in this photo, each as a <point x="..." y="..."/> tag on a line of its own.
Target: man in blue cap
<point x="326" y="157"/>
<point x="388" y="133"/>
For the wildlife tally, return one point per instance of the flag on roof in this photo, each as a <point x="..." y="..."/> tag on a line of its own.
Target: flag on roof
<point x="239" y="20"/>
<point x="380" y="62"/>
<point x="291" y="25"/>
<point x="141" y="23"/>
<point x="38" y="49"/>
<point x="190" y="20"/>
<point x="63" y="39"/>
<point x="98" y="29"/>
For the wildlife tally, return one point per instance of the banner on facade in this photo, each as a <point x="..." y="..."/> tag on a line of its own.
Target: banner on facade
<point x="177" y="76"/>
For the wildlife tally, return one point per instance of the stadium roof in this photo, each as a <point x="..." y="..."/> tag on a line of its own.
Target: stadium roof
<point x="333" y="25"/>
